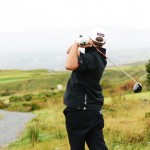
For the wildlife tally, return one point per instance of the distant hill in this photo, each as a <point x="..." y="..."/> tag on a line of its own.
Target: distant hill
<point x="135" y="63"/>
<point x="131" y="64"/>
<point x="136" y="70"/>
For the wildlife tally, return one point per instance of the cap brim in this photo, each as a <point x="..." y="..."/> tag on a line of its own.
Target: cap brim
<point x="94" y="39"/>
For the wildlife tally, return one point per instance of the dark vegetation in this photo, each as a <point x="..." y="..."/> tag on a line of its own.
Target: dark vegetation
<point x="148" y="71"/>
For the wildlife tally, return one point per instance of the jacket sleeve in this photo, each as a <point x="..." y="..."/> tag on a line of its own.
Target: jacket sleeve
<point x="86" y="62"/>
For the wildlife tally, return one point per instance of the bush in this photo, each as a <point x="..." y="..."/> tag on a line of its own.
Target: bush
<point x="26" y="105"/>
<point x="27" y="97"/>
<point x="15" y="98"/>
<point x="34" y="106"/>
<point x="127" y="86"/>
<point x="6" y="93"/>
<point x="148" y="71"/>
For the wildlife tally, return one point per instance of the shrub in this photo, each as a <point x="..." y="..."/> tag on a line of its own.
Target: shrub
<point x="34" y="106"/>
<point x="148" y="71"/>
<point x="15" y="98"/>
<point x="26" y="105"/>
<point x="147" y="115"/>
<point x="27" y="97"/>
<point x="127" y="86"/>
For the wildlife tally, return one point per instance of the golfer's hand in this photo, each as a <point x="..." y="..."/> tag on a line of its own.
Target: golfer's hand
<point x="82" y="40"/>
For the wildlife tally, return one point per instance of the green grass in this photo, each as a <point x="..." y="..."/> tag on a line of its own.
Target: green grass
<point x="18" y="80"/>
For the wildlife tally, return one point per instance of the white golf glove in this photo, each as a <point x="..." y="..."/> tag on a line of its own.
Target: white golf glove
<point x="82" y="40"/>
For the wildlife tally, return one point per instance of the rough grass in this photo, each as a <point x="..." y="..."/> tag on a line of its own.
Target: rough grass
<point x="126" y="125"/>
<point x="127" y="117"/>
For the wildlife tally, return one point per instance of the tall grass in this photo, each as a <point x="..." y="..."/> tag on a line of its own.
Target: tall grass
<point x="33" y="133"/>
<point x="126" y="126"/>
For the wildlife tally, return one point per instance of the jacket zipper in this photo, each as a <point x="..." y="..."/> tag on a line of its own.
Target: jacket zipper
<point x="85" y="102"/>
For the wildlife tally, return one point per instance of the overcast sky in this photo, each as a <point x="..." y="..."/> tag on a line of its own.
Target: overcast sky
<point x="46" y="14"/>
<point x="35" y="15"/>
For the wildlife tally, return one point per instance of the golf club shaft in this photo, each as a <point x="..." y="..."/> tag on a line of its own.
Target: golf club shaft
<point x="117" y="66"/>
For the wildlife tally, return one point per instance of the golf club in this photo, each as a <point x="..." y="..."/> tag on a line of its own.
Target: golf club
<point x="137" y="87"/>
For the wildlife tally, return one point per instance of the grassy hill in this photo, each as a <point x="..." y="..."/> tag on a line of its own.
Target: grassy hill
<point x="30" y="80"/>
<point x="42" y="79"/>
<point x="138" y="72"/>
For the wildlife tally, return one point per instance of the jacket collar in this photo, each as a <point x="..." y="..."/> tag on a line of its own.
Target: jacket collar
<point x="93" y="49"/>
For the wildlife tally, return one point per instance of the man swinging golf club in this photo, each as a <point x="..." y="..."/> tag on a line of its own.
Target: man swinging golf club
<point x="83" y="96"/>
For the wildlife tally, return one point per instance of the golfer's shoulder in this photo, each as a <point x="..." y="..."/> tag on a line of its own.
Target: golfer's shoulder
<point x="99" y="59"/>
<point x="94" y="55"/>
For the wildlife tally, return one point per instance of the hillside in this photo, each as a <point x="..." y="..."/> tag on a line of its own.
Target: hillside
<point x="135" y="70"/>
<point x="42" y="79"/>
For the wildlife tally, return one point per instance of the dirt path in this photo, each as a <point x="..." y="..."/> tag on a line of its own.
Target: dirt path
<point x="11" y="125"/>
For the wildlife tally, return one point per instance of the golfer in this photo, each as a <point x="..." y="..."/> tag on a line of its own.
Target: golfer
<point x="83" y="96"/>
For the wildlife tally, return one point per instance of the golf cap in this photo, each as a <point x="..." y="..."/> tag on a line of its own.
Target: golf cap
<point x="98" y="32"/>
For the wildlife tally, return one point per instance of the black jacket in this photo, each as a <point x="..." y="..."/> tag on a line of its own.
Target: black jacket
<point x="83" y="90"/>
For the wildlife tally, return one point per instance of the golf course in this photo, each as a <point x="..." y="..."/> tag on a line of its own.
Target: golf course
<point x="126" y="114"/>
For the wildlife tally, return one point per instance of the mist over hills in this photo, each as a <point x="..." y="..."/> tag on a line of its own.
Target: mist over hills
<point x="47" y="48"/>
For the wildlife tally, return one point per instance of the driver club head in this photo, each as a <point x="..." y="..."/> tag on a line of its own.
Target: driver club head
<point x="137" y="87"/>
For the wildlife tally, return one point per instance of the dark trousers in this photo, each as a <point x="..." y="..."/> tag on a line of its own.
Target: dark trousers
<point x="85" y="126"/>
